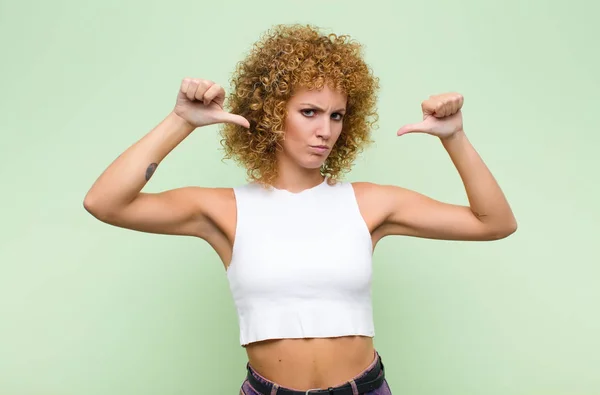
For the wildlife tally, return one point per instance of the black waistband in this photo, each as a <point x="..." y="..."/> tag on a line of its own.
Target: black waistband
<point x="372" y="380"/>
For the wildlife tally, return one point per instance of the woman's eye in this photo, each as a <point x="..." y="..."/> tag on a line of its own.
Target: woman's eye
<point x="310" y="113"/>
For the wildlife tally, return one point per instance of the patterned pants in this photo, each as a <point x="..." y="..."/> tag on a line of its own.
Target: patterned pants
<point x="383" y="390"/>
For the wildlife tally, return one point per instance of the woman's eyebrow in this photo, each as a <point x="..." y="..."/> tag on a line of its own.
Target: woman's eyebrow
<point x="320" y="109"/>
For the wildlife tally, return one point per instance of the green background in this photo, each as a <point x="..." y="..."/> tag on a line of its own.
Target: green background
<point x="87" y="308"/>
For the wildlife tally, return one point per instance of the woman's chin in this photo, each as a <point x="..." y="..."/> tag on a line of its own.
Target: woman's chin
<point x="314" y="163"/>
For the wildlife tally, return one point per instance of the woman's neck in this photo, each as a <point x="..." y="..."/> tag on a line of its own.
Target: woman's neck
<point x="296" y="179"/>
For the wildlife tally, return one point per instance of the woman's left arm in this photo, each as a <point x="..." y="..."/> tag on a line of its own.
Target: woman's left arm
<point x="488" y="216"/>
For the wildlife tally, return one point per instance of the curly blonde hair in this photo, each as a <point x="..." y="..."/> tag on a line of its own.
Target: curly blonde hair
<point x="287" y="57"/>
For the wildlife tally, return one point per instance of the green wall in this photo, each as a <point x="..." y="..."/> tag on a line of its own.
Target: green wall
<point x="86" y="308"/>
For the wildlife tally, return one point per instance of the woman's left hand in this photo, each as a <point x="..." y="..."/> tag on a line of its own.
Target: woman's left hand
<point x="441" y="116"/>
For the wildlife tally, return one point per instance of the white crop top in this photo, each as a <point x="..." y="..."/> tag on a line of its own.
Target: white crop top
<point x="301" y="263"/>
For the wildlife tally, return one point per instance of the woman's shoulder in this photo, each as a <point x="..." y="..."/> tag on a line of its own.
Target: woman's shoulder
<point x="211" y="201"/>
<point x="366" y="187"/>
<point x="373" y="188"/>
<point x="375" y="194"/>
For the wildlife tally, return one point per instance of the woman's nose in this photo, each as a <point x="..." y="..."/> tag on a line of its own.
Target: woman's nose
<point x="324" y="130"/>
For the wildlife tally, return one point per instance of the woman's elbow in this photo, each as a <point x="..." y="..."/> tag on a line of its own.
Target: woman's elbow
<point x="504" y="231"/>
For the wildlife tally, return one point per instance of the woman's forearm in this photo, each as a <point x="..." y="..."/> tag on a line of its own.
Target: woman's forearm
<point x="125" y="177"/>
<point x="486" y="199"/>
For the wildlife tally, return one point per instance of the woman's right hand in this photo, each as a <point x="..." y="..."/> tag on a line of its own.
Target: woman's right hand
<point x="200" y="103"/>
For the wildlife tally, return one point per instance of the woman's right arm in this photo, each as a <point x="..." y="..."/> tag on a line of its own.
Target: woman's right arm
<point x="116" y="197"/>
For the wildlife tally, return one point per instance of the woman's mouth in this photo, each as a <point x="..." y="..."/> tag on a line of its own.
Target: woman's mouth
<point x="319" y="148"/>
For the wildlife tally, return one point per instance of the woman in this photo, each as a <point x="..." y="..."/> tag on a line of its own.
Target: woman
<point x="296" y="242"/>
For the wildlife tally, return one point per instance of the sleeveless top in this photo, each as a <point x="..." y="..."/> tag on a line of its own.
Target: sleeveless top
<point x="301" y="263"/>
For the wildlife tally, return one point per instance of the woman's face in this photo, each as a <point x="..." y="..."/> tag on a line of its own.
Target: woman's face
<point x="313" y="124"/>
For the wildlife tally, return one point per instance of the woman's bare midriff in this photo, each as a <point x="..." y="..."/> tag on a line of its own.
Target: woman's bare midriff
<point x="304" y="364"/>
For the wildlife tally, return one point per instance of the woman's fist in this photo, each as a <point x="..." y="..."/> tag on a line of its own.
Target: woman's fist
<point x="442" y="116"/>
<point x="200" y="103"/>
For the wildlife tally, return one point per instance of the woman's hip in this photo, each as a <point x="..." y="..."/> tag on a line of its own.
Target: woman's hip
<point x="371" y="381"/>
